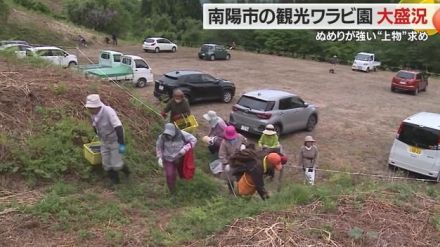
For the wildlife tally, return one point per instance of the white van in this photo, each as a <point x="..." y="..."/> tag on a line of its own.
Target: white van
<point x="417" y="145"/>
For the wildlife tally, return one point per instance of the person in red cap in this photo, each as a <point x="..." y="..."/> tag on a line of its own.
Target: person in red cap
<point x="251" y="167"/>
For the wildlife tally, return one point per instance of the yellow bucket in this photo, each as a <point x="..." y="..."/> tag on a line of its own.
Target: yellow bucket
<point x="188" y="124"/>
<point x="91" y="153"/>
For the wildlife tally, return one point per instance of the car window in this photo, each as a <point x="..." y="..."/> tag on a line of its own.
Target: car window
<point x="24" y="47"/>
<point x="126" y="61"/>
<point x="405" y="75"/>
<point x="161" y="41"/>
<point x="149" y="40"/>
<point x="117" y="58"/>
<point x="297" y="102"/>
<point x="208" y="78"/>
<point x="417" y="136"/>
<point x="255" y="104"/>
<point x="105" y="55"/>
<point x="285" y="104"/>
<point x="419" y="76"/>
<point x="195" y="78"/>
<point x="219" y="48"/>
<point x="141" y="64"/>
<point x="166" y="41"/>
<point x="57" y="53"/>
<point x="44" y="53"/>
<point x="361" y="57"/>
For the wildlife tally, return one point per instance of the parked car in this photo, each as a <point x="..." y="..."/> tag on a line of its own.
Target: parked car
<point x="13" y="42"/>
<point x="417" y="145"/>
<point x="286" y="111"/>
<point x="365" y="62"/>
<point x="213" y="52"/>
<point x="18" y="49"/>
<point x="132" y="68"/>
<point x="54" y="55"/>
<point x="196" y="85"/>
<point x="158" y="44"/>
<point x="412" y="81"/>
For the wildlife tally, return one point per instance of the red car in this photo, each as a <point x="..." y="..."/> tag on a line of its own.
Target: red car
<point x="412" y="81"/>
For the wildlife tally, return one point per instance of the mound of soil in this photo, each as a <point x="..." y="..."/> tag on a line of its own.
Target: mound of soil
<point x="372" y="222"/>
<point x="24" y="88"/>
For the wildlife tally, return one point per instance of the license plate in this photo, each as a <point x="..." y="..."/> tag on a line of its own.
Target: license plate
<point x="402" y="82"/>
<point x="415" y="150"/>
<point x="161" y="87"/>
<point x="244" y="128"/>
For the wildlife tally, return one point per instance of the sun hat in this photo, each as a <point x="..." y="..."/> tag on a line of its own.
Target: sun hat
<point x="170" y="129"/>
<point x="270" y="130"/>
<point x="206" y="139"/>
<point x="93" y="101"/>
<point x="274" y="160"/>
<point x="210" y="116"/>
<point x="309" y="139"/>
<point x="230" y="133"/>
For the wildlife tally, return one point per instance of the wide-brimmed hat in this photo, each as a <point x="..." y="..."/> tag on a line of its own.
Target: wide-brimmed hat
<point x="274" y="160"/>
<point x="210" y="116"/>
<point x="170" y="129"/>
<point x="309" y="139"/>
<point x="230" y="133"/>
<point x="270" y="130"/>
<point x="93" y="101"/>
<point x="206" y="139"/>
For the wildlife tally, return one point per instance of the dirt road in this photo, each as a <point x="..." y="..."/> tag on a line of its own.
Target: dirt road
<point x="359" y="115"/>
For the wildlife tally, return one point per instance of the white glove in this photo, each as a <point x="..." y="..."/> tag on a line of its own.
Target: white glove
<point x="242" y="147"/>
<point x="160" y="162"/>
<point x="227" y="168"/>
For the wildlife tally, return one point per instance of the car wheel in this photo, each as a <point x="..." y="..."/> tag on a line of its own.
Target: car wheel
<point x="145" y="50"/>
<point x="311" y="123"/>
<point x="71" y="65"/>
<point x="438" y="178"/>
<point x="278" y="128"/>
<point x="157" y="50"/>
<point x="374" y="69"/>
<point x="141" y="83"/>
<point x="368" y="70"/>
<point x="415" y="92"/>
<point x="227" y="96"/>
<point x="393" y="89"/>
<point x="228" y="57"/>
<point x="174" y="49"/>
<point x="212" y="57"/>
<point x="424" y="90"/>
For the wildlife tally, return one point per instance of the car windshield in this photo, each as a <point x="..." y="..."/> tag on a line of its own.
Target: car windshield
<point x="255" y="104"/>
<point x="362" y="57"/>
<point x="149" y="40"/>
<point x="417" y="136"/>
<point x="405" y="75"/>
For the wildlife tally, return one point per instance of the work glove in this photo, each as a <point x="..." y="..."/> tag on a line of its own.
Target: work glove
<point x="160" y="162"/>
<point x="227" y="168"/>
<point x="163" y="114"/>
<point x="121" y="148"/>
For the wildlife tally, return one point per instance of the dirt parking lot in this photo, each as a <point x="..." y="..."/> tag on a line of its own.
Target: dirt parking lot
<point x="359" y="115"/>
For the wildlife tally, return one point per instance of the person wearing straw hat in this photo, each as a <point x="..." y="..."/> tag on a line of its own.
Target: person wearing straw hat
<point x="178" y="106"/>
<point x="308" y="157"/>
<point x="109" y="129"/>
<point x="269" y="139"/>
<point x="171" y="146"/>
<point x="217" y="129"/>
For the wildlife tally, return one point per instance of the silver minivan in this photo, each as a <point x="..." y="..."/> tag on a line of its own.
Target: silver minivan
<point x="417" y="145"/>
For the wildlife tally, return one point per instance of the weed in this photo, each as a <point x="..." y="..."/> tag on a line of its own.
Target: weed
<point x="356" y="233"/>
<point x="85" y="235"/>
<point x="114" y="237"/>
<point x="59" y="89"/>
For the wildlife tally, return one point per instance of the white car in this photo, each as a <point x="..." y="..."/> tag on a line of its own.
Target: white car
<point x="365" y="62"/>
<point x="19" y="49"/>
<point x="158" y="44"/>
<point x="417" y="145"/>
<point x="54" y="55"/>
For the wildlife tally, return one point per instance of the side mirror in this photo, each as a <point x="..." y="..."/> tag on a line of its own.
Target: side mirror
<point x="65" y="54"/>
<point x="306" y="104"/>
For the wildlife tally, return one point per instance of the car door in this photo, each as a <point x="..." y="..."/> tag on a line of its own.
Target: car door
<point x="142" y="70"/>
<point x="59" y="57"/>
<point x="291" y="114"/>
<point x="161" y="44"/>
<point x="198" y="87"/>
<point x="220" y="52"/>
<point x="167" y="44"/>
<point x="211" y="87"/>
<point x="46" y="55"/>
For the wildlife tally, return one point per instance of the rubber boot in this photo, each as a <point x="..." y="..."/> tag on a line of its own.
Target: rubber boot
<point x="114" y="176"/>
<point x="126" y="171"/>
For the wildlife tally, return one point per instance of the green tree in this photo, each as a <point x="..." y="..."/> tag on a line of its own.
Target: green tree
<point x="4" y="12"/>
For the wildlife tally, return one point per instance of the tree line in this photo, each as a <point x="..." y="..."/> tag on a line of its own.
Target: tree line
<point x="181" y="21"/>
